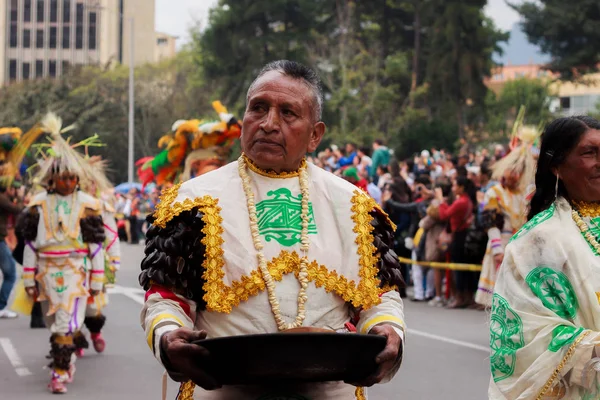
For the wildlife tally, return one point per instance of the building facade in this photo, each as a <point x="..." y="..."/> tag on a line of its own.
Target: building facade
<point x="570" y="98"/>
<point x="43" y="38"/>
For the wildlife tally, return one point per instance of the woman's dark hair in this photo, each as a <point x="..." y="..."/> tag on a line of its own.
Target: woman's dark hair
<point x="394" y="168"/>
<point x="559" y="138"/>
<point x="384" y="168"/>
<point x="470" y="189"/>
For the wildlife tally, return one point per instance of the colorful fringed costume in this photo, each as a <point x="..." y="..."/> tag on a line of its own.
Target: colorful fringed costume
<point x="193" y="148"/>
<point x="64" y="235"/>
<point x="505" y="208"/>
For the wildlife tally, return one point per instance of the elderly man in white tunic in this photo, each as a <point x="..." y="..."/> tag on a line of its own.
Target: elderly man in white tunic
<point x="267" y="244"/>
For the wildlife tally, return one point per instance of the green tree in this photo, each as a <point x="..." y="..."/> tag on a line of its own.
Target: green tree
<point x="567" y="31"/>
<point x="461" y="42"/>
<point x="502" y="109"/>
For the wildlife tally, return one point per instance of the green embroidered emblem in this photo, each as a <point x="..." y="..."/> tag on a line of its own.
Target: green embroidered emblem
<point x="535" y="221"/>
<point x="562" y="336"/>
<point x="59" y="282"/>
<point x="554" y="290"/>
<point x="280" y="219"/>
<point x="506" y="337"/>
<point x="64" y="204"/>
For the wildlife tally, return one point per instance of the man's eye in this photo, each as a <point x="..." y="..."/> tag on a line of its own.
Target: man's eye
<point x="288" y="113"/>
<point x="258" y="107"/>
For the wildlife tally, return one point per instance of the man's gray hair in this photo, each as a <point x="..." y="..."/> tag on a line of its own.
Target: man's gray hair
<point x="299" y="71"/>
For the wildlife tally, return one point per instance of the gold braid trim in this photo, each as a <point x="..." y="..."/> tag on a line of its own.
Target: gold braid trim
<point x="186" y="391"/>
<point x="360" y="393"/>
<point x="562" y="364"/>
<point x="368" y="289"/>
<point x="282" y="175"/>
<point x="165" y="209"/>
<point x="223" y="298"/>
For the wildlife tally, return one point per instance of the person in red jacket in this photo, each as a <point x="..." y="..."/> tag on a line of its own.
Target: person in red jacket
<point x="459" y="215"/>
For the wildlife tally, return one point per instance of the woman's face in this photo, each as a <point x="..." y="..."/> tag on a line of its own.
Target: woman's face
<point x="457" y="190"/>
<point x="580" y="172"/>
<point x="66" y="183"/>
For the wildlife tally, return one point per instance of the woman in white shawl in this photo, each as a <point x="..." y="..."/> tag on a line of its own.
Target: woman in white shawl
<point x="545" y="322"/>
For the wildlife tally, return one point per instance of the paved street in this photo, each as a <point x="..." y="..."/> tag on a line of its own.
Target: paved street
<point x="446" y="356"/>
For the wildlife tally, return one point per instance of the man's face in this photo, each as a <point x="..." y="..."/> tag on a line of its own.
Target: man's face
<point x="279" y="125"/>
<point x="66" y="183"/>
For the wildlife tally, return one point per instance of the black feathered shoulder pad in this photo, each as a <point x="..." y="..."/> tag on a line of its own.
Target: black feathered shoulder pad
<point x="174" y="256"/>
<point x="390" y="269"/>
<point x="92" y="229"/>
<point x="27" y="224"/>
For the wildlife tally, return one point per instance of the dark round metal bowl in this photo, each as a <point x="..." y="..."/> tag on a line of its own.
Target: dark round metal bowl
<point x="292" y="357"/>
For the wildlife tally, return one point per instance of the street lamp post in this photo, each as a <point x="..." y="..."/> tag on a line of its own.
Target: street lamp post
<point x="131" y="153"/>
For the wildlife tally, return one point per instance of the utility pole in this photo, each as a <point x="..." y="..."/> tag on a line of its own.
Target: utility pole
<point x="131" y="104"/>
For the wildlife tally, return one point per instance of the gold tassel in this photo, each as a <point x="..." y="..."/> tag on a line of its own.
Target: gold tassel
<point x="360" y="393"/>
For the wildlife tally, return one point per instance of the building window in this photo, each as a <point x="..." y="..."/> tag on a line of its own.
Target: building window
<point x="565" y="103"/>
<point x="79" y="27"/>
<point x="65" y="67"/>
<point x="13" y="35"/>
<point x="92" y="32"/>
<point x="26" y="70"/>
<point x="53" y="10"/>
<point x="39" y="68"/>
<point x="162" y="41"/>
<point x="27" y="11"/>
<point x="52" y="68"/>
<point x="66" y="37"/>
<point x="12" y="70"/>
<point x="39" y="39"/>
<point x="67" y="11"/>
<point x="79" y="16"/>
<point x="40" y="10"/>
<point x="52" y="37"/>
<point x="27" y="38"/>
<point x="14" y="10"/>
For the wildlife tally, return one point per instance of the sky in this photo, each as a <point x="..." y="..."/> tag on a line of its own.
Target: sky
<point x="175" y="17"/>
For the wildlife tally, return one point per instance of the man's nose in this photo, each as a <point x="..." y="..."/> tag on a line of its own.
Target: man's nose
<point x="271" y="121"/>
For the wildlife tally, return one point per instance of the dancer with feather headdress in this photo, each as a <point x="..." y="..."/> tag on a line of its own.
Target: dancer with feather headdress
<point x="64" y="234"/>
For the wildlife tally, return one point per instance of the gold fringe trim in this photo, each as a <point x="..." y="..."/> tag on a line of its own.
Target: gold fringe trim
<point x="186" y="391"/>
<point x="282" y="175"/>
<point x="562" y="364"/>
<point x="164" y="209"/>
<point x="360" y="393"/>
<point x="368" y="288"/>
<point x="222" y="298"/>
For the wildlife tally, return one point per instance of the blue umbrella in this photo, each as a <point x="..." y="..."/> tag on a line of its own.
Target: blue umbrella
<point x="125" y="187"/>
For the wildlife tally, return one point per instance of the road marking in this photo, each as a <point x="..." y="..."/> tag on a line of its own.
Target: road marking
<point x="135" y="294"/>
<point x="449" y="340"/>
<point x="13" y="357"/>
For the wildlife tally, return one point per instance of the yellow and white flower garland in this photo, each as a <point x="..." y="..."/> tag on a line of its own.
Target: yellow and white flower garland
<point x="262" y="261"/>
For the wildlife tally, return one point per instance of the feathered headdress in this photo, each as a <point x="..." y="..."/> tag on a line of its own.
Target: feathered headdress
<point x="185" y="141"/>
<point x="521" y="159"/>
<point x="13" y="147"/>
<point x="58" y="156"/>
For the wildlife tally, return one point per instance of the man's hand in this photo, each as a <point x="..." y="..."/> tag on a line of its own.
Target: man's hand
<point x="387" y="358"/>
<point x="186" y="358"/>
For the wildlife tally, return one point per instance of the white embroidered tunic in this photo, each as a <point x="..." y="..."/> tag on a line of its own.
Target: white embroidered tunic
<point x="342" y="270"/>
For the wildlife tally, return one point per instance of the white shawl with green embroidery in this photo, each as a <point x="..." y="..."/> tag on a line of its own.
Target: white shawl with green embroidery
<point x="545" y="322"/>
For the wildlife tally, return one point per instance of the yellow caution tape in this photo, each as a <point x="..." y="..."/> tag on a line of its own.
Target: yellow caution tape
<point x="440" y="265"/>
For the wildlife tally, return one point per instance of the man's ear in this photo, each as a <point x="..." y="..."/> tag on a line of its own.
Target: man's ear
<point x="316" y="136"/>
